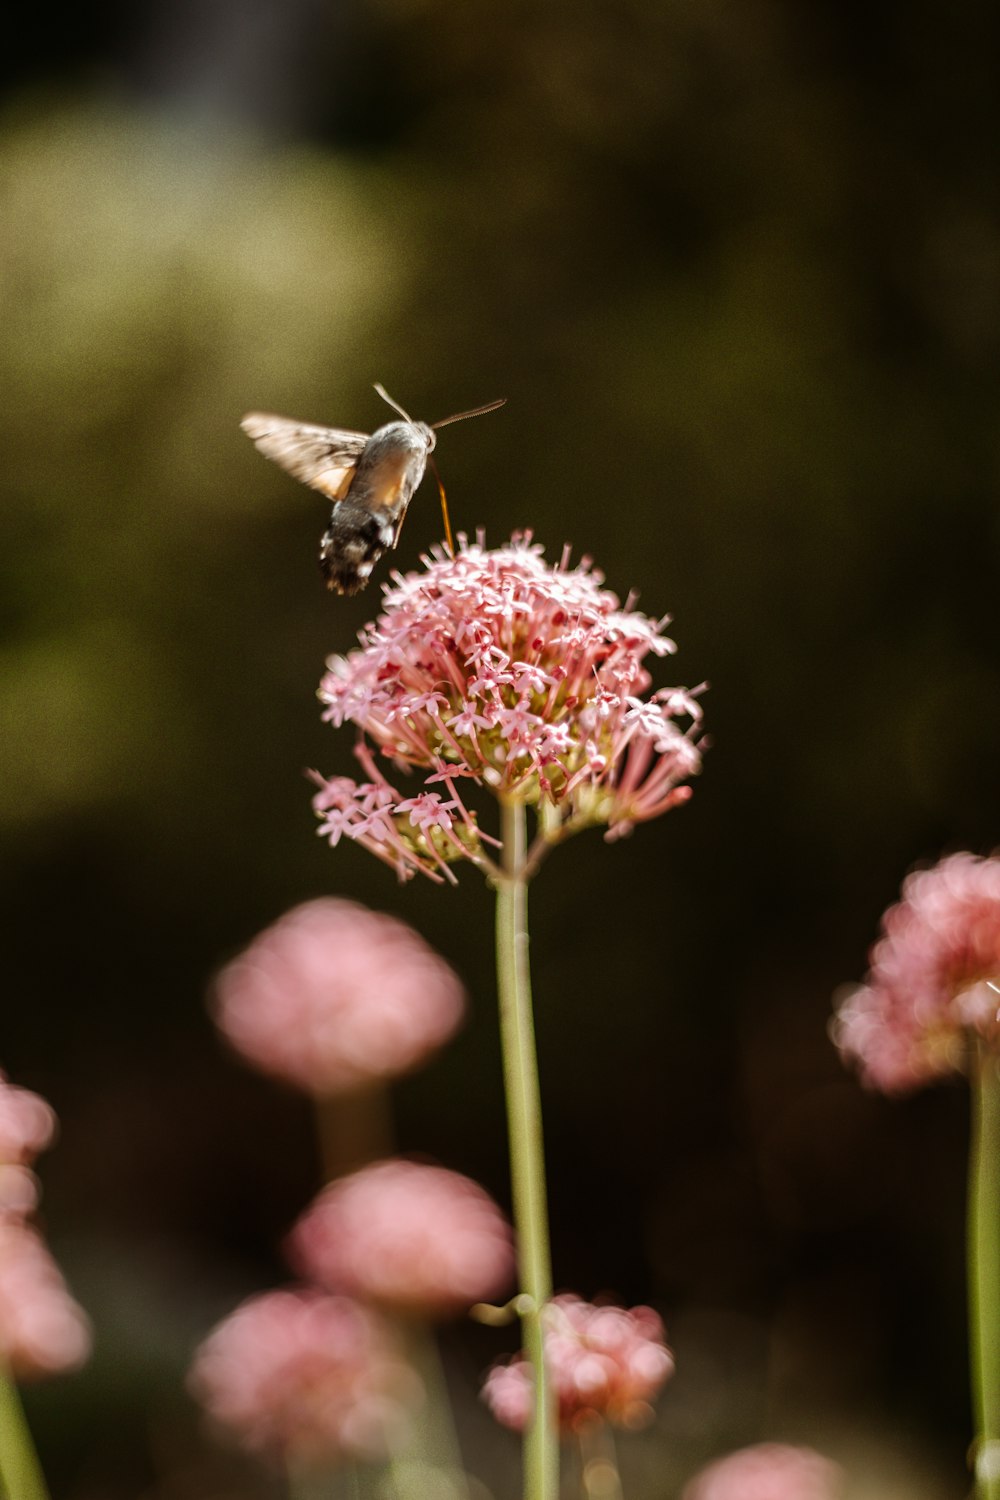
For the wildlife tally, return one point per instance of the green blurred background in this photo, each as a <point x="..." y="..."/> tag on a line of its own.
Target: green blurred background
<point x="736" y="269"/>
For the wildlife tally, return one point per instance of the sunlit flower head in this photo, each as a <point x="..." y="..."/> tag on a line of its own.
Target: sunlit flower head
<point x="768" y="1471"/>
<point x="934" y="981"/>
<point x="498" y="668"/>
<point x="307" y="1377"/>
<point x="414" y="1238"/>
<point x="42" y="1330"/>
<point x="334" y="996"/>
<point x="605" y="1362"/>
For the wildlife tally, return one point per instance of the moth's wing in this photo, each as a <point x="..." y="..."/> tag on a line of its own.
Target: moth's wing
<point x="323" y="457"/>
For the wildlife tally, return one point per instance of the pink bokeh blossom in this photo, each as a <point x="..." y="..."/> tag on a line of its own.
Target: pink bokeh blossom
<point x="334" y="996"/>
<point x="417" y="1239"/>
<point x="498" y="668"/>
<point x="27" y="1124"/>
<point x="606" y="1362"/>
<point x="768" y="1471"/>
<point x="42" y="1330"/>
<point x="934" y="981"/>
<point x="308" y="1377"/>
<point x="18" y="1191"/>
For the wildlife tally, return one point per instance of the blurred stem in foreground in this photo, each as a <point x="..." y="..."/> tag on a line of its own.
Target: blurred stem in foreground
<point x="599" y="1462"/>
<point x="527" y="1158"/>
<point x="20" y="1472"/>
<point x="984" y="1270"/>
<point x="354" y="1129"/>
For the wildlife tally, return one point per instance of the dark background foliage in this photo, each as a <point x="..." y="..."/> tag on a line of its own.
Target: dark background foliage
<point x="735" y="268"/>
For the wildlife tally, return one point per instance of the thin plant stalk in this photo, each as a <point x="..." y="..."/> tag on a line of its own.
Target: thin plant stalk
<point x="599" y="1474"/>
<point x="21" y="1476"/>
<point x="435" y="1446"/>
<point x="354" y="1129"/>
<point x="527" y="1157"/>
<point x="345" y="1482"/>
<point x="984" y="1271"/>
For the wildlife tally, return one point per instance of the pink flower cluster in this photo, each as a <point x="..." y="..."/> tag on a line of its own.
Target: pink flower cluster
<point x="42" y="1330"/>
<point x="334" y="996"/>
<point x="605" y="1362"/>
<point x="497" y="668"/>
<point x="408" y="1237"/>
<point x="934" y="981"/>
<point x="768" y="1471"/>
<point x="307" y="1377"/>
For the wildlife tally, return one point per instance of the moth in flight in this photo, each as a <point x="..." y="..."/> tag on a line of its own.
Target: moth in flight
<point x="370" y="479"/>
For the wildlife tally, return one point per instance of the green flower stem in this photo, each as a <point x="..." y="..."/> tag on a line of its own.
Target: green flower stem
<point x="984" y="1271"/>
<point x="354" y="1129"/>
<point x="347" y="1483"/>
<point x="527" y="1157"/>
<point x="599" y="1463"/>
<point x="434" y="1448"/>
<point x="21" y="1475"/>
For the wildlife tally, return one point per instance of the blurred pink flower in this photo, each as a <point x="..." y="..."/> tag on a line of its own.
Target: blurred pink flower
<point x="496" y="667"/>
<point x="308" y="1377"/>
<point x="768" y="1471"/>
<point x="42" y="1330"/>
<point x="334" y="996"/>
<point x="27" y="1124"/>
<point x="934" y="980"/>
<point x="18" y="1191"/>
<point x="413" y="1238"/>
<point x="604" y="1361"/>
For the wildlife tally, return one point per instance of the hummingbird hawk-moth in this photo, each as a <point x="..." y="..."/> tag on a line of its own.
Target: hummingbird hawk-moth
<point x="370" y="479"/>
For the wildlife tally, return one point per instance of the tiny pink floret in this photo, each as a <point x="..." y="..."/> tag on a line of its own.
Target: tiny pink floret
<point x="414" y="1238"/>
<point x="934" y="983"/>
<point x="497" y="667"/>
<point x="333" y="997"/>
<point x="605" y="1362"/>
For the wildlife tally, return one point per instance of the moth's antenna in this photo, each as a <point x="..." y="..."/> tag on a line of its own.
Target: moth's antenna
<point x="477" y="411"/>
<point x="394" y="404"/>
<point x="449" y="540"/>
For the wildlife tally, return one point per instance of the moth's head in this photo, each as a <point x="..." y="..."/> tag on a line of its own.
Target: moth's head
<point x="427" y="433"/>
